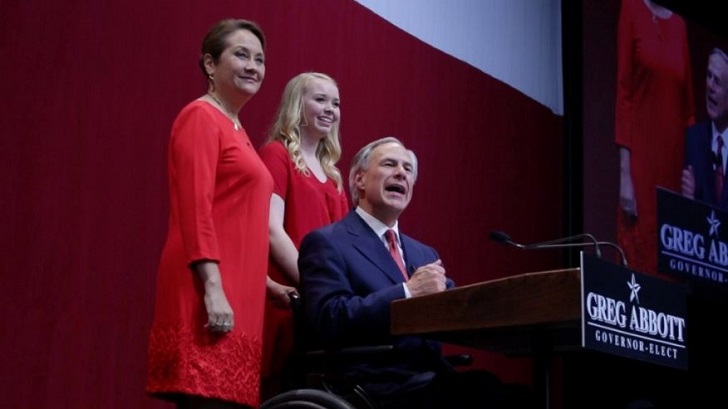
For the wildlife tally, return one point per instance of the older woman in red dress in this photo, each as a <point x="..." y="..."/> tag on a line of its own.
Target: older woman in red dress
<point x="654" y="105"/>
<point x="205" y="344"/>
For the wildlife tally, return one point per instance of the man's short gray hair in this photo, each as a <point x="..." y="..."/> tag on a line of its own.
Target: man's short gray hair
<point x="720" y="52"/>
<point x="360" y="163"/>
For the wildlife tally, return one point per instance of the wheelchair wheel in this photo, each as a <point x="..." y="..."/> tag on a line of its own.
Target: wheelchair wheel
<point x="354" y="395"/>
<point x="306" y="398"/>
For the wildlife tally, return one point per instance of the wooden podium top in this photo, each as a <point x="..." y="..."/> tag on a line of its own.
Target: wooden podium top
<point x="503" y="315"/>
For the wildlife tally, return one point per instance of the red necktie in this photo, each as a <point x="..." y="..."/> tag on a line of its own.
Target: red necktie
<point x="719" y="170"/>
<point x="394" y="251"/>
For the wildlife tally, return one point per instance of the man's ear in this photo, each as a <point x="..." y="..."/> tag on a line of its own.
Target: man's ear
<point x="359" y="180"/>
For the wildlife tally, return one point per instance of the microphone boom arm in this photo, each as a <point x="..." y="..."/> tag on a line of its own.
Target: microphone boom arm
<point x="564" y="242"/>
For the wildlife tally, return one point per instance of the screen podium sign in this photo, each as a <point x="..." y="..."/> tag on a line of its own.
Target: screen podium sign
<point x="692" y="239"/>
<point x="633" y="315"/>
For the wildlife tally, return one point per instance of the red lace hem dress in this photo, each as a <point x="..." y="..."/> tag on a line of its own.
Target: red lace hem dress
<point x="219" y="205"/>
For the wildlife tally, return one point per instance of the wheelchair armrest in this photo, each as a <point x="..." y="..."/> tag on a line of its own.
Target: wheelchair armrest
<point x="327" y="357"/>
<point x="355" y="352"/>
<point x="459" y="360"/>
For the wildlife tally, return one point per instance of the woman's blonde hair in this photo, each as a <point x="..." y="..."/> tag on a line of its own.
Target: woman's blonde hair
<point x="287" y="128"/>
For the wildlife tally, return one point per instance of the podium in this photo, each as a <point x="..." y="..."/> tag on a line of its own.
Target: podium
<point x="533" y="313"/>
<point x="598" y="307"/>
<point x="500" y="315"/>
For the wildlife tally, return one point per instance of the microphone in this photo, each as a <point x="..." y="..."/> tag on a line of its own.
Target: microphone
<point x="502" y="237"/>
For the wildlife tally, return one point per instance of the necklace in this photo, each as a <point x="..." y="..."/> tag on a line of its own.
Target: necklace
<point x="236" y="124"/>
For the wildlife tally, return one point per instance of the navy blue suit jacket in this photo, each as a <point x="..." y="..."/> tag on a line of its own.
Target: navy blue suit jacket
<point x="348" y="280"/>
<point x="699" y="155"/>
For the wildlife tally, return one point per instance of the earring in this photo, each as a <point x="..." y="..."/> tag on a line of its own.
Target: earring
<point x="211" y="80"/>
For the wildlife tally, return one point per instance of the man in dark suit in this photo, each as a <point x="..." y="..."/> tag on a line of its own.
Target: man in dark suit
<point x="706" y="146"/>
<point x="350" y="275"/>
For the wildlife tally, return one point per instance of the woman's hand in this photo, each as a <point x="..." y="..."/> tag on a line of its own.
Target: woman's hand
<point x="278" y="294"/>
<point x="627" y="199"/>
<point x="220" y="317"/>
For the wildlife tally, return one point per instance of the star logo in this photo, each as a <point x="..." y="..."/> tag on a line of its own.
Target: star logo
<point x="634" y="289"/>
<point x="714" y="223"/>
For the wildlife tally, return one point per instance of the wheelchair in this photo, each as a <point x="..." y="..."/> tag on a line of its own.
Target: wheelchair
<point x="313" y="379"/>
<point x="307" y="398"/>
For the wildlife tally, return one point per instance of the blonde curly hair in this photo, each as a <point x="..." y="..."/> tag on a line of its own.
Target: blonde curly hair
<point x="287" y="128"/>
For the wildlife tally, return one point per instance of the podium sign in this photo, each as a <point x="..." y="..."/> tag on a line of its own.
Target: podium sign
<point x="632" y="315"/>
<point x="692" y="238"/>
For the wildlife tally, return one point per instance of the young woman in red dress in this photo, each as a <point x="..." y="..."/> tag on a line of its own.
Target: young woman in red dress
<point x="301" y="155"/>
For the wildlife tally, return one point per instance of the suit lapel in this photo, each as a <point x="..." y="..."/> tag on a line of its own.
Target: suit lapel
<point x="708" y="135"/>
<point x="721" y="202"/>
<point x="410" y="256"/>
<point x="700" y="138"/>
<point x="366" y="242"/>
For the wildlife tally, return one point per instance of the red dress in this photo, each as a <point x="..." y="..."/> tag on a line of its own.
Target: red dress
<point x="654" y="105"/>
<point x="309" y="204"/>
<point x="219" y="205"/>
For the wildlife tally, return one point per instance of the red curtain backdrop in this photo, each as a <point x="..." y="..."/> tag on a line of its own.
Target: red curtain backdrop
<point x="89" y="91"/>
